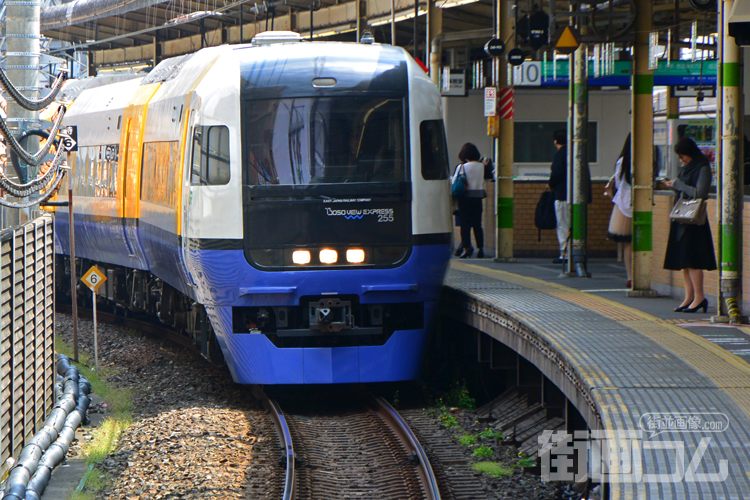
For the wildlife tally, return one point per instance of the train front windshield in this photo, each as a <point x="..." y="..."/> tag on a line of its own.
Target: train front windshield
<point x="324" y="140"/>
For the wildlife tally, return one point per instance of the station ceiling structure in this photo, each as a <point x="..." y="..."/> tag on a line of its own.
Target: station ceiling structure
<point x="131" y="32"/>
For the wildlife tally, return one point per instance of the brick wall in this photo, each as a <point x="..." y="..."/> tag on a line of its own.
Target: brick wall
<point x="526" y="194"/>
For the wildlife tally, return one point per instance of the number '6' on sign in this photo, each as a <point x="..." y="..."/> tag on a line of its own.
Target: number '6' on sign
<point x="94" y="278"/>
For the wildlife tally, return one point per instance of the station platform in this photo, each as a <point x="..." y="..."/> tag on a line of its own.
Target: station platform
<point x="670" y="391"/>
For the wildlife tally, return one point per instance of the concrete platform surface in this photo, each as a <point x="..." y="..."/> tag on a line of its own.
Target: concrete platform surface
<point x="665" y="388"/>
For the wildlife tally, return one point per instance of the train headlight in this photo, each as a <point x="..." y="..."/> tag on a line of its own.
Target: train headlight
<point x="301" y="257"/>
<point x="328" y="256"/>
<point x="355" y="256"/>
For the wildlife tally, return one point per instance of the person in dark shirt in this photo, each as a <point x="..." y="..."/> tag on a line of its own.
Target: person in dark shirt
<point x="558" y="182"/>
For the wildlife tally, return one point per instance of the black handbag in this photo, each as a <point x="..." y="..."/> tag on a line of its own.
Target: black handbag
<point x="689" y="211"/>
<point x="489" y="169"/>
<point x="544" y="217"/>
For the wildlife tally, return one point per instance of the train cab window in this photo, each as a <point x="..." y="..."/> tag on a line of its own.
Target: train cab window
<point x="434" y="150"/>
<point x="210" y="165"/>
<point x="324" y="140"/>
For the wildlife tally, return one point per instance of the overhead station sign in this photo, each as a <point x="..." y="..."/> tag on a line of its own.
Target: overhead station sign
<point x="495" y="47"/>
<point x="686" y="73"/>
<point x="678" y="73"/>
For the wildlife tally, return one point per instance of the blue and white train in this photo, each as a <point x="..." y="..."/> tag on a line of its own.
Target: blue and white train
<point x="285" y="204"/>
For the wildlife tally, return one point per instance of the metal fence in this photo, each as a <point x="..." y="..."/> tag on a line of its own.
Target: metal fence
<point x="27" y="364"/>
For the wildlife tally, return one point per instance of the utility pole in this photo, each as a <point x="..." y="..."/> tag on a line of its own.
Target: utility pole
<point x="642" y="126"/>
<point x="579" y="181"/>
<point x="393" y="22"/>
<point x="730" y="125"/>
<point x="434" y="35"/>
<point x="504" y="144"/>
<point x="22" y="66"/>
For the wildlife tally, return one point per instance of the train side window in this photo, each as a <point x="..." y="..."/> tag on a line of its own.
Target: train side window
<point x="195" y="167"/>
<point x="434" y="150"/>
<point x="210" y="166"/>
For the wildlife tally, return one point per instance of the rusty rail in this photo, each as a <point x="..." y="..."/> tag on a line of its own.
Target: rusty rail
<point x="285" y="437"/>
<point x="410" y="441"/>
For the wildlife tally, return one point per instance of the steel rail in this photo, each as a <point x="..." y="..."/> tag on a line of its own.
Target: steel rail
<point x="163" y="331"/>
<point x="282" y="429"/>
<point x="148" y="328"/>
<point x="407" y="437"/>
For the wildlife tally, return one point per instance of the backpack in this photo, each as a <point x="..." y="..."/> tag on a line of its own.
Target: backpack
<point x="458" y="189"/>
<point x="544" y="217"/>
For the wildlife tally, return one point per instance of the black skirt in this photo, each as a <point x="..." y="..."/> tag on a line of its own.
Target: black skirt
<point x="690" y="246"/>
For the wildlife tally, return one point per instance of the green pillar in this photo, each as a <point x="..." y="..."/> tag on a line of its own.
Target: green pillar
<point x="642" y="126"/>
<point x="730" y="257"/>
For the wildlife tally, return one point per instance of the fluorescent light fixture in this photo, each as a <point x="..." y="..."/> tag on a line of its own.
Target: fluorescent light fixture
<point x="301" y="257"/>
<point x="193" y="16"/>
<point x="447" y="4"/>
<point x="401" y="17"/>
<point x="355" y="256"/>
<point x="328" y="256"/>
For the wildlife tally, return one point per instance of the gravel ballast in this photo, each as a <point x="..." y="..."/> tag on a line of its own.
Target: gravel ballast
<point x="196" y="434"/>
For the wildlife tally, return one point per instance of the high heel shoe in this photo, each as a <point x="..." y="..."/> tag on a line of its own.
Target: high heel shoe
<point x="680" y="309"/>
<point x="458" y="252"/>
<point x="480" y="254"/>
<point x="467" y="253"/>
<point x="703" y="305"/>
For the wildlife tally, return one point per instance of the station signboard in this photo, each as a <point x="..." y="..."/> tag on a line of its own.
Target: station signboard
<point x="682" y="73"/>
<point x="686" y="73"/>
<point x="454" y="83"/>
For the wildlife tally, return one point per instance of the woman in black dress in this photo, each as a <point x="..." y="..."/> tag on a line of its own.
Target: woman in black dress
<point x="690" y="248"/>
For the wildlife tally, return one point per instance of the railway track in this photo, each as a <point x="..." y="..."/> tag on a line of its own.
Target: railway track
<point x="151" y="328"/>
<point x="361" y="449"/>
<point x="344" y="445"/>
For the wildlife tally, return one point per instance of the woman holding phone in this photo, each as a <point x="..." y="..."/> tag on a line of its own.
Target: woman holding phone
<point x="690" y="248"/>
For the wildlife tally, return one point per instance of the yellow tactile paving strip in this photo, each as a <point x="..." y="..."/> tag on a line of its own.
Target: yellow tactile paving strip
<point x="729" y="372"/>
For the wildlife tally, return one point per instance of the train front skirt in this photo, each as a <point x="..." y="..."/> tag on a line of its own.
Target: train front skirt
<point x="253" y="359"/>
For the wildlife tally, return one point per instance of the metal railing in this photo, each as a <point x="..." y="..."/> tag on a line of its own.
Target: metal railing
<point x="27" y="363"/>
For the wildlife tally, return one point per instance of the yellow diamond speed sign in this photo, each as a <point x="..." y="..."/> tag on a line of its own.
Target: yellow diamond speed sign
<point x="94" y="278"/>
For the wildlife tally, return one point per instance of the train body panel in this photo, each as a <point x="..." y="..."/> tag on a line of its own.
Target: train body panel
<point x="234" y="163"/>
<point x="253" y="358"/>
<point x="432" y="216"/>
<point x="225" y="279"/>
<point x="212" y="204"/>
<point x="102" y="234"/>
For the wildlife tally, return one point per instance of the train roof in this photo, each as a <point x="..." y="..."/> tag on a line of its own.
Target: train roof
<point x="292" y="69"/>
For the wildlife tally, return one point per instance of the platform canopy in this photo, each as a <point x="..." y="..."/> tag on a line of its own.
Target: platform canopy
<point x="126" y="32"/>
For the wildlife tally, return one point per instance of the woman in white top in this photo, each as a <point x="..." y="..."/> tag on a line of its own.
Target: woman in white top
<point x="470" y="204"/>
<point x="621" y="222"/>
